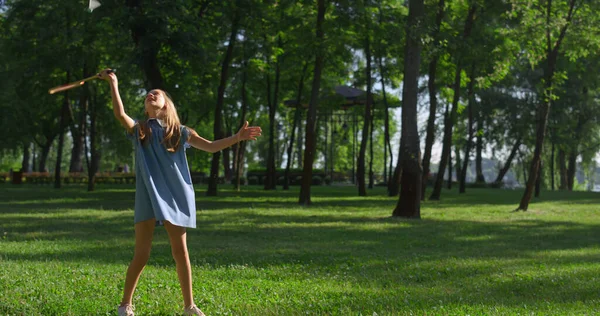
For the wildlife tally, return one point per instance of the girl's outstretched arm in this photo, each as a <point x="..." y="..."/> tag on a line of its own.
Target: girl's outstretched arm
<point x="245" y="133"/>
<point x="118" y="108"/>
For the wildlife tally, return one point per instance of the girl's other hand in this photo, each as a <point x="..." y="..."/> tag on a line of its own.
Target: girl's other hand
<point x="249" y="132"/>
<point x="108" y="75"/>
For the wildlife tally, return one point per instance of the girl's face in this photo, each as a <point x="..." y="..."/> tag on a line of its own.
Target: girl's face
<point x="154" y="102"/>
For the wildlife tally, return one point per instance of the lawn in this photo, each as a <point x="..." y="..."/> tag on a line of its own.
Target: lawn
<point x="65" y="252"/>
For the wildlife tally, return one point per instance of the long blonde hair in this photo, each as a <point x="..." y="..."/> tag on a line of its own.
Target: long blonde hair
<point x="171" y="124"/>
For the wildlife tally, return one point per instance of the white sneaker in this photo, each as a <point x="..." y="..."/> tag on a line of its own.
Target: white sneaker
<point x="193" y="310"/>
<point x="126" y="310"/>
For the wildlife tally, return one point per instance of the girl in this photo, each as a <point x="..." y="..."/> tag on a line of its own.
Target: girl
<point x="164" y="192"/>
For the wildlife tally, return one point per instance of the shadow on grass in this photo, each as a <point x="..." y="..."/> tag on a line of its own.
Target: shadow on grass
<point x="43" y="199"/>
<point x="380" y="251"/>
<point x="259" y="239"/>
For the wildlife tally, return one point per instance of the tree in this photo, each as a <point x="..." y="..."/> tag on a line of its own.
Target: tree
<point x="297" y="114"/>
<point x="451" y="117"/>
<point x="273" y="98"/>
<point x="573" y="123"/>
<point x="218" y="122"/>
<point x="462" y="179"/>
<point x="432" y="88"/>
<point x="310" y="137"/>
<point x="409" y="202"/>
<point x="551" y="55"/>
<point x="360" y="171"/>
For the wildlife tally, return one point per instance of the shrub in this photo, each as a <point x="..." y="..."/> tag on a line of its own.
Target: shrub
<point x="316" y="180"/>
<point x="242" y="180"/>
<point x="253" y="180"/>
<point x="297" y="180"/>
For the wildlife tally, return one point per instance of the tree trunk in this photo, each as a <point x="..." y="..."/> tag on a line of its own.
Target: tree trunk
<point x="61" y="135"/>
<point x="44" y="154"/>
<point x="33" y="158"/>
<point x="324" y="145"/>
<point x="552" y="167"/>
<point x="300" y="150"/>
<point x="431" y="86"/>
<point x="458" y="165"/>
<point x="238" y="159"/>
<point x="310" y="135"/>
<point x="523" y="167"/>
<point x="571" y="170"/>
<point x="239" y="165"/>
<point x="506" y="166"/>
<point x="147" y="48"/>
<point x="218" y="129"/>
<point x="573" y="153"/>
<point x="394" y="183"/>
<point x="409" y="202"/>
<point x="270" y="171"/>
<point x="387" y="148"/>
<point x="360" y="170"/>
<point x="371" y="175"/>
<point x="64" y="117"/>
<point x="354" y="141"/>
<point x="151" y="68"/>
<point x="538" y="182"/>
<point x="94" y="151"/>
<point x="448" y="125"/>
<point x="271" y="178"/>
<point x="458" y="162"/>
<point x="331" y="122"/>
<point x="281" y="149"/>
<point x="76" y="164"/>
<point x="25" y="166"/>
<point x="297" y="115"/>
<point x="479" y="178"/>
<point x="227" y="156"/>
<point x="465" y="165"/>
<point x="562" y="169"/>
<point x="544" y="108"/>
<point x="393" y="187"/>
<point x="449" y="181"/>
<point x="277" y="161"/>
<point x="535" y="161"/>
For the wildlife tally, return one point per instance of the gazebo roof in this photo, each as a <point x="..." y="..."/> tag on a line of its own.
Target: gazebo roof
<point x="349" y="92"/>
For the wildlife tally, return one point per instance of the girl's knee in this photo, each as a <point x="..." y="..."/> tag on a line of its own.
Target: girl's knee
<point x="142" y="255"/>
<point x="179" y="252"/>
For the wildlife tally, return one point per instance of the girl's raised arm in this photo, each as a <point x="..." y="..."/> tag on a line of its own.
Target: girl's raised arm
<point x="118" y="108"/>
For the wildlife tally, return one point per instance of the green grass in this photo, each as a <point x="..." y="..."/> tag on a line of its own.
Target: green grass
<point x="65" y="252"/>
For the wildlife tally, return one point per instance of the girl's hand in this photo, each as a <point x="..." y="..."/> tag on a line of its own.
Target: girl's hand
<point x="108" y="75"/>
<point x="248" y="133"/>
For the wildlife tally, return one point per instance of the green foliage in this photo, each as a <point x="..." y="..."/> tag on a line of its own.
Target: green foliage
<point x="183" y="44"/>
<point x="10" y="161"/>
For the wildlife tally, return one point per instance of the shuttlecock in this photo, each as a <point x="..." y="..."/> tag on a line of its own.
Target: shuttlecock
<point x="94" y="4"/>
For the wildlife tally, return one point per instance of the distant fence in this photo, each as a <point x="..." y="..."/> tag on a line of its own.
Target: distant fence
<point x="18" y="177"/>
<point x="253" y="177"/>
<point x="43" y="178"/>
<point x="258" y="177"/>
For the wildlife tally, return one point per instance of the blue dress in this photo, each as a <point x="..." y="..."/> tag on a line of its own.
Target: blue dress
<point x="163" y="186"/>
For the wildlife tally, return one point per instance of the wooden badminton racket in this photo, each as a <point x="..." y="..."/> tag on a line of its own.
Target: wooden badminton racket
<point x="75" y="84"/>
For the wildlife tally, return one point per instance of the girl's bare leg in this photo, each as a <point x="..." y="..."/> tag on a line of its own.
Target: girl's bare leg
<point x="177" y="238"/>
<point x="144" y="232"/>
